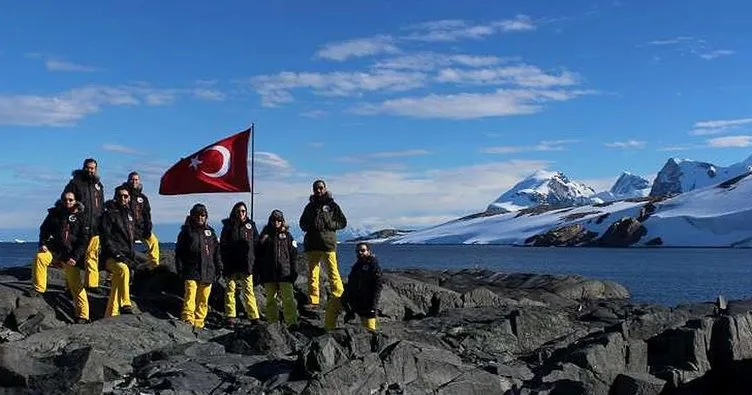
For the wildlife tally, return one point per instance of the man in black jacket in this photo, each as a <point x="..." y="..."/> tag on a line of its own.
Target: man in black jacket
<point x="63" y="238"/>
<point x="322" y="217"/>
<point x="142" y="217"/>
<point x="118" y="238"/>
<point x="363" y="289"/>
<point x="88" y="190"/>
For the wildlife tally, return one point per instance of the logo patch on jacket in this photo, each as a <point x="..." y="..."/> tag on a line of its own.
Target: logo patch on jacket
<point x="96" y="186"/>
<point x="207" y="233"/>
<point x="326" y="208"/>
<point x="72" y="218"/>
<point x="140" y="199"/>
<point x="130" y="218"/>
<point x="282" y="236"/>
<point x="248" y="226"/>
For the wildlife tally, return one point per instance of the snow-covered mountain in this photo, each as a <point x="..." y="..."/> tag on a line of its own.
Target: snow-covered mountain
<point x="713" y="216"/>
<point x="543" y="187"/>
<point x="683" y="175"/>
<point x="627" y="186"/>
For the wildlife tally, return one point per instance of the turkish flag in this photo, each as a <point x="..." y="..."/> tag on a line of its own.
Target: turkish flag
<point x="218" y="167"/>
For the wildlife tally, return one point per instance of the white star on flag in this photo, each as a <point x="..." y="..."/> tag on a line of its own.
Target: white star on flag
<point x="195" y="162"/>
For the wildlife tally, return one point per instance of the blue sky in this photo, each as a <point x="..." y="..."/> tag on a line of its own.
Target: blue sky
<point x="414" y="114"/>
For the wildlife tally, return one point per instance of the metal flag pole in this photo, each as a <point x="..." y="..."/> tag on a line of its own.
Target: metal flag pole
<point x="253" y="165"/>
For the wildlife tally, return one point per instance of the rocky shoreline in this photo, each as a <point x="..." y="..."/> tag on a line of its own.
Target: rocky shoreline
<point x="460" y="332"/>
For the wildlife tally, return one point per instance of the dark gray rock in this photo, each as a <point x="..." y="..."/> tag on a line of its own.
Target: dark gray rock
<point x="637" y="384"/>
<point x="622" y="233"/>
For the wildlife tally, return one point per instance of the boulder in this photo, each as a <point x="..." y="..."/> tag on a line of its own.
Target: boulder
<point x="563" y="236"/>
<point x="622" y="233"/>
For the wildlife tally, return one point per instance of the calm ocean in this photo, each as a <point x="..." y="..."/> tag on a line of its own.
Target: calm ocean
<point x="668" y="276"/>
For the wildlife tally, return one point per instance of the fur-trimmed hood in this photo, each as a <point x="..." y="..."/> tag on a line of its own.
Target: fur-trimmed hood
<point x="84" y="176"/>
<point x="324" y="199"/>
<point x="79" y="207"/>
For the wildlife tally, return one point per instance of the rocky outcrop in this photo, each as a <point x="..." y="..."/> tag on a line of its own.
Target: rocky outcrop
<point x="440" y="332"/>
<point x="622" y="233"/>
<point x="563" y="236"/>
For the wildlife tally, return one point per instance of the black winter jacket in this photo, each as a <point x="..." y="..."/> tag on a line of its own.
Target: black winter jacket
<point x="320" y="220"/>
<point x="197" y="255"/>
<point x="238" y="246"/>
<point x="141" y="212"/>
<point x="90" y="192"/>
<point x="64" y="233"/>
<point x="117" y="234"/>
<point x="276" y="255"/>
<point x="364" y="285"/>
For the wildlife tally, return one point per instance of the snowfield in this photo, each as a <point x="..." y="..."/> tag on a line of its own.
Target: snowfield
<point x="712" y="216"/>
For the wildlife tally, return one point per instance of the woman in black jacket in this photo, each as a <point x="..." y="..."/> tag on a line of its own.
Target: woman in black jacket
<point x="197" y="260"/>
<point x="237" y="245"/>
<point x="275" y="268"/>
<point x="63" y="238"/>
<point x="363" y="288"/>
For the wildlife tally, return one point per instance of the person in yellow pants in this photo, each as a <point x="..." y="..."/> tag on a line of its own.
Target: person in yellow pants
<point x="237" y="246"/>
<point x="275" y="268"/>
<point x="142" y="217"/>
<point x="198" y="262"/>
<point x="63" y="239"/>
<point x="322" y="217"/>
<point x="88" y="189"/>
<point x="118" y="238"/>
<point x="363" y="290"/>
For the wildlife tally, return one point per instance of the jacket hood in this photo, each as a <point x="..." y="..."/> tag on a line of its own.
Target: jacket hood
<point x="327" y="197"/>
<point x="59" y="206"/>
<point x="82" y="175"/>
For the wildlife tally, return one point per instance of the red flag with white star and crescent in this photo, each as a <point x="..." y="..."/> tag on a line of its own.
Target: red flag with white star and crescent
<point x="218" y="167"/>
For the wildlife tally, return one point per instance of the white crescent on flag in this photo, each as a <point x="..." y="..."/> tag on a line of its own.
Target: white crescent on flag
<point x="225" y="161"/>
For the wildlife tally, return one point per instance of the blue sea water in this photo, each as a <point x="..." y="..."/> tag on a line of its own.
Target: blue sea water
<point x="661" y="275"/>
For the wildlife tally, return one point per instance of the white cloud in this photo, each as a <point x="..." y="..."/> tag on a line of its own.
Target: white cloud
<point x="61" y="65"/>
<point x="693" y="46"/>
<point x="275" y="89"/>
<point x="427" y="61"/>
<point x="503" y="102"/>
<point x="552" y="145"/>
<point x="210" y="94"/>
<point x="730" y="142"/>
<point x="360" y="47"/>
<point x="122" y="149"/>
<point x="679" y="147"/>
<point x="522" y="75"/>
<point x="454" y="30"/>
<point x="67" y="108"/>
<point x="629" y="144"/>
<point x="704" y="128"/>
<point x="717" y="53"/>
<point x="317" y="145"/>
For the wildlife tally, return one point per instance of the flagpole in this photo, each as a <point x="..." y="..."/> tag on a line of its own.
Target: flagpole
<point x="253" y="164"/>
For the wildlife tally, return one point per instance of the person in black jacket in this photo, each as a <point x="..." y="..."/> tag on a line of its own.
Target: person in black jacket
<point x="237" y="245"/>
<point x="118" y="253"/>
<point x="275" y="268"/>
<point x="198" y="262"/>
<point x="63" y="238"/>
<point x="142" y="217"/>
<point x="363" y="289"/>
<point x="88" y="189"/>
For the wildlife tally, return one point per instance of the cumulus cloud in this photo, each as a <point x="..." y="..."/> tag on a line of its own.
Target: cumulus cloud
<point x="704" y="128"/>
<point x="503" y="102"/>
<point x="359" y="47"/>
<point x="628" y="144"/>
<point x="730" y="142"/>
<point x="275" y="89"/>
<point x="427" y="61"/>
<point x="455" y="30"/>
<point x="522" y="75"/>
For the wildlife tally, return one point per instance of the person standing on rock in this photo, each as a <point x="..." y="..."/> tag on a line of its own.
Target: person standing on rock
<point x="363" y="289"/>
<point x="88" y="189"/>
<point x="63" y="238"/>
<point x="322" y="217"/>
<point x="237" y="245"/>
<point x="275" y="268"/>
<point x="142" y="217"/>
<point x="198" y="261"/>
<point x="118" y="253"/>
